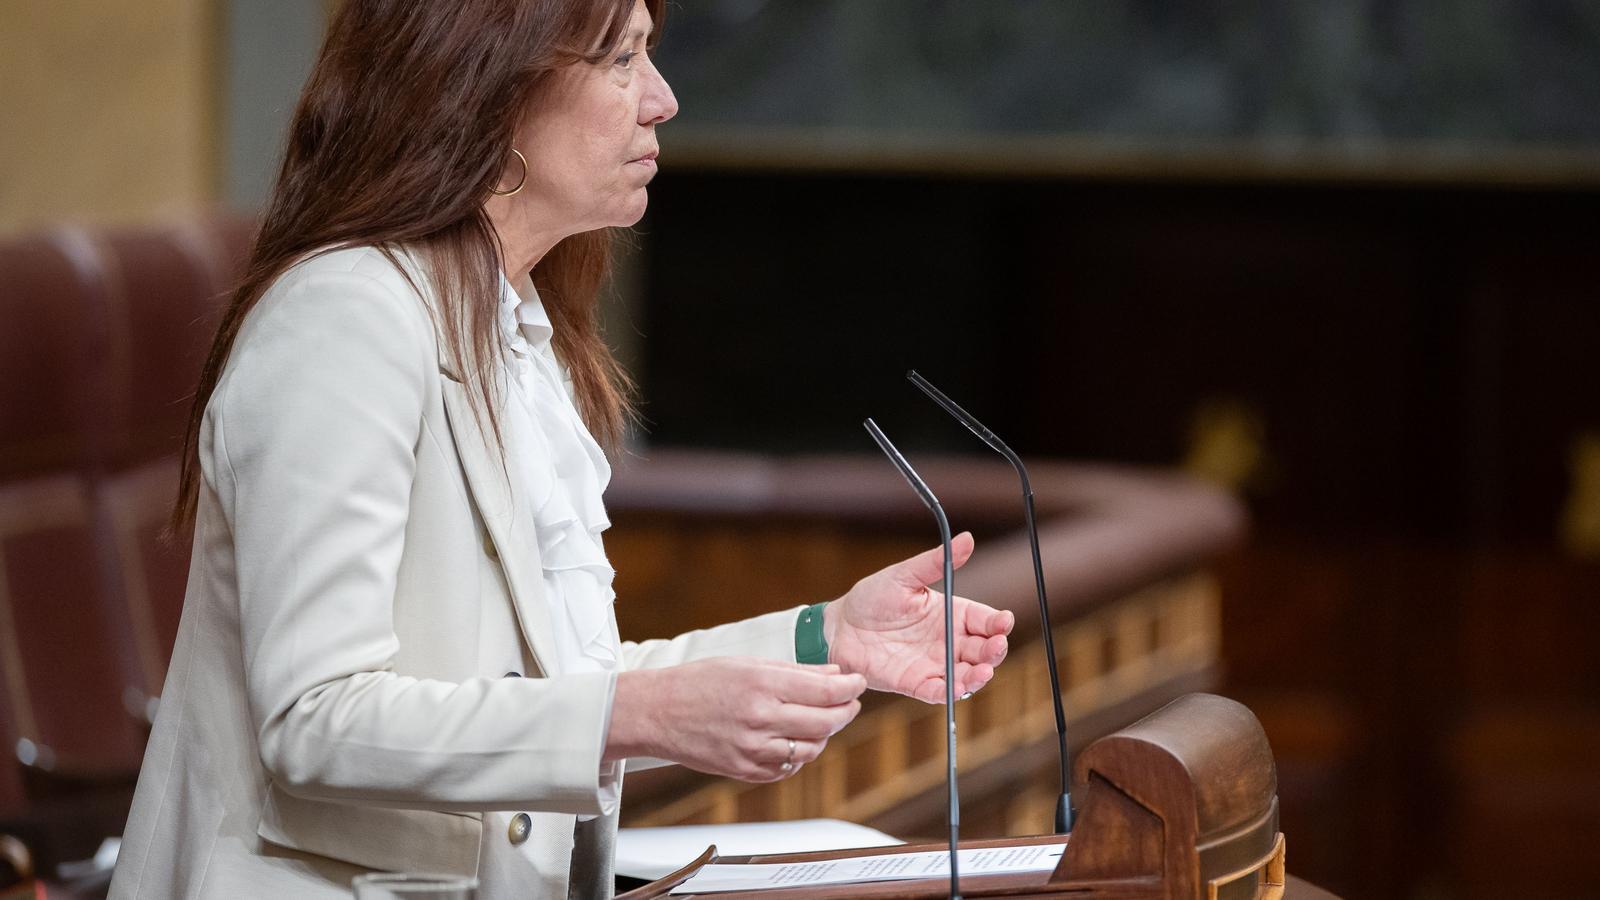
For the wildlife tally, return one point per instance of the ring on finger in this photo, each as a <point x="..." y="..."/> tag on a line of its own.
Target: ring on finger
<point x="788" y="764"/>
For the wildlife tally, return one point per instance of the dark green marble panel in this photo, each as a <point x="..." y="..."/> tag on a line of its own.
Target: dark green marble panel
<point x="1359" y="72"/>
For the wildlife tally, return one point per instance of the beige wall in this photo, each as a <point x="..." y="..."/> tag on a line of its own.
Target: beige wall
<point x="107" y="110"/>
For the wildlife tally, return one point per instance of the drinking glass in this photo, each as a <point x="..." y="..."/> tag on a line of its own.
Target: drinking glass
<point x="414" y="886"/>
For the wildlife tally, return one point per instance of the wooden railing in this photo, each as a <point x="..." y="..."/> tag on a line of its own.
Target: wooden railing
<point x="1165" y="634"/>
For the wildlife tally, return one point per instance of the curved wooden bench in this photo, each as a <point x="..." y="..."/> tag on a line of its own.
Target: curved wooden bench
<point x="1124" y="552"/>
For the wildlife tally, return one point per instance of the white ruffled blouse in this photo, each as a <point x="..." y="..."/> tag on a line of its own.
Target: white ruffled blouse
<point x="566" y="472"/>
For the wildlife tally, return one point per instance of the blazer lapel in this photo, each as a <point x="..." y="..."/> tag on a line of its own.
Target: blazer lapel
<point x="508" y="516"/>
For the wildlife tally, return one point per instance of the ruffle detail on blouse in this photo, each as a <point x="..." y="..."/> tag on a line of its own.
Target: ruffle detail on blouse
<point x="565" y="473"/>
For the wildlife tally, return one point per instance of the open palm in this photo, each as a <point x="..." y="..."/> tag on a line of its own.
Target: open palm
<point x="890" y="628"/>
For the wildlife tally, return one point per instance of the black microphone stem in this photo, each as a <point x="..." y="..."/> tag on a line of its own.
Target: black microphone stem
<point x="1064" y="802"/>
<point x="932" y="502"/>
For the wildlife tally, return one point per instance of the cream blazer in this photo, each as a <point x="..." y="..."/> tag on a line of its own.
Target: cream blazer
<point x="364" y="584"/>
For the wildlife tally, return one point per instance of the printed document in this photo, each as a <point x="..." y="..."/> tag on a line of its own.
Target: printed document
<point x="653" y="852"/>
<point x="881" y="867"/>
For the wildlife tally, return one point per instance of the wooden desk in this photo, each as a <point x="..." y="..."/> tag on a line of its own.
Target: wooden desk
<point x="1181" y="805"/>
<point x="1018" y="886"/>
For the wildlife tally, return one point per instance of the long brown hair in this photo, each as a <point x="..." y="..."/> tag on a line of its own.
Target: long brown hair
<point x="400" y="134"/>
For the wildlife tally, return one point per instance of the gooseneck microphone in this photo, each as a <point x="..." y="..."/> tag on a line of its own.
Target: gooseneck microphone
<point x="932" y="502"/>
<point x="1064" y="802"/>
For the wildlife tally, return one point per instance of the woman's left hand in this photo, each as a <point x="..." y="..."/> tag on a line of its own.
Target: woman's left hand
<point x="890" y="628"/>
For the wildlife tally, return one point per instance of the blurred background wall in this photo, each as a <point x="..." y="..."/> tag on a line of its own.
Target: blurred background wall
<point x="107" y="110"/>
<point x="129" y="112"/>
<point x="1338" y="257"/>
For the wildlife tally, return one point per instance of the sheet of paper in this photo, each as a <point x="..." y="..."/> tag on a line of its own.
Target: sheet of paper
<point x="653" y="852"/>
<point x="884" y="867"/>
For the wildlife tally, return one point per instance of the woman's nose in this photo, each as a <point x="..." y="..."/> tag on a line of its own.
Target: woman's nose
<point x="658" y="104"/>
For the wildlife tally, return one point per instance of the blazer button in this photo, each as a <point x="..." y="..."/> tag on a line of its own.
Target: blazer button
<point x="512" y="675"/>
<point x="521" y="827"/>
<point x="488" y="547"/>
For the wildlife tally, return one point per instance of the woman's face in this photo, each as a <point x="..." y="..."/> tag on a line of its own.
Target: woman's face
<point x="591" y="141"/>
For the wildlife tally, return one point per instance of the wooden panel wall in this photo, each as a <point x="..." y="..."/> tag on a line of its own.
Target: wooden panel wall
<point x="108" y="110"/>
<point x="1121" y="657"/>
<point x="674" y="574"/>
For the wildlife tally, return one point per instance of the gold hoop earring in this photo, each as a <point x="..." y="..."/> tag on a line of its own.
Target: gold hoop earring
<point x="522" y="181"/>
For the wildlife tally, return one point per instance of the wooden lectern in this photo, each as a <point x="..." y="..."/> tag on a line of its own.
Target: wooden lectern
<point x="1181" y="805"/>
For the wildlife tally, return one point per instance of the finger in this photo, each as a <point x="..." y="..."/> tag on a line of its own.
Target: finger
<point x="804" y="685"/>
<point x="776" y="751"/>
<point x="986" y="620"/>
<point x="806" y="751"/>
<point x="971" y="679"/>
<point x="770" y="768"/>
<point x="930" y="690"/>
<point x="812" y="722"/>
<point x="928" y="567"/>
<point x="976" y="649"/>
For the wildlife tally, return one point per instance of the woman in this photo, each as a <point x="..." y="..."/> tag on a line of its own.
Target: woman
<point x="397" y="650"/>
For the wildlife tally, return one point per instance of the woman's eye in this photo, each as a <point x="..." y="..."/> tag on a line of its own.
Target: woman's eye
<point x="626" y="59"/>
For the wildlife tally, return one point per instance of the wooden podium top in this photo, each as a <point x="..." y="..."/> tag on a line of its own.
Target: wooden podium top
<point x="1181" y="805"/>
<point x="992" y="885"/>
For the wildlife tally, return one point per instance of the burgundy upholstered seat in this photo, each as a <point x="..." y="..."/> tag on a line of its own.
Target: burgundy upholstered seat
<point x="103" y="339"/>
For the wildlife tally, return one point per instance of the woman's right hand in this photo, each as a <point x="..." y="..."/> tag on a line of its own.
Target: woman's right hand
<point x="732" y="716"/>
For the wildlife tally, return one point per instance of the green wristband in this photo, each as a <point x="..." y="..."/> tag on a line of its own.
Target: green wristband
<point x="810" y="647"/>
